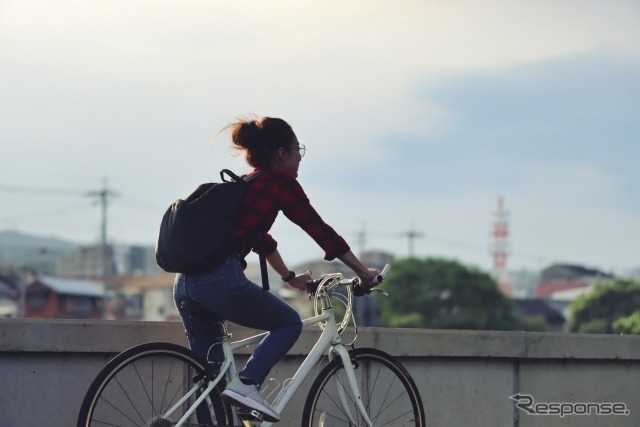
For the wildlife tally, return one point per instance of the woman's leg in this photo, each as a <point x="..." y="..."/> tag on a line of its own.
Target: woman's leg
<point x="263" y="310"/>
<point x="230" y="295"/>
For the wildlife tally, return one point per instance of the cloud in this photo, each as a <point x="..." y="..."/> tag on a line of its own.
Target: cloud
<point x="509" y="127"/>
<point x="558" y="139"/>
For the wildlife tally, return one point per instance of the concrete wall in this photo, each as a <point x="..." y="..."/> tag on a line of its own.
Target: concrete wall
<point x="465" y="377"/>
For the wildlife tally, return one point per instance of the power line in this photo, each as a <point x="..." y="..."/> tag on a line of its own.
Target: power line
<point x="40" y="190"/>
<point x="68" y="210"/>
<point x="361" y="237"/>
<point x="411" y="236"/>
<point x="103" y="196"/>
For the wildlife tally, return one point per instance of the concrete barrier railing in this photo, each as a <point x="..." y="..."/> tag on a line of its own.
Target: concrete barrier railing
<point x="466" y="378"/>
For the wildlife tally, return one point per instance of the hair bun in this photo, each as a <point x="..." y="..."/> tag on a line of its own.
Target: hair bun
<point x="260" y="138"/>
<point x="246" y="134"/>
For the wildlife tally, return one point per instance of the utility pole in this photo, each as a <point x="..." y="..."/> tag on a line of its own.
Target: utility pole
<point x="362" y="239"/>
<point x="411" y="236"/>
<point x="104" y="196"/>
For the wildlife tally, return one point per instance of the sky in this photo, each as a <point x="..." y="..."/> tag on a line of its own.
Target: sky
<point x="416" y="115"/>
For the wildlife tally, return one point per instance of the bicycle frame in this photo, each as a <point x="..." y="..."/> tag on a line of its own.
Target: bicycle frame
<point x="329" y="339"/>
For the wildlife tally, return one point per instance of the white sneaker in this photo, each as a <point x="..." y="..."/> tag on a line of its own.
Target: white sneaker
<point x="240" y="394"/>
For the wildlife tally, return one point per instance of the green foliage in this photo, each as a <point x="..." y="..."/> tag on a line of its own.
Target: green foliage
<point x="595" y="326"/>
<point x="411" y="320"/>
<point x="628" y="325"/>
<point x="597" y="311"/>
<point x="534" y="324"/>
<point x="443" y="294"/>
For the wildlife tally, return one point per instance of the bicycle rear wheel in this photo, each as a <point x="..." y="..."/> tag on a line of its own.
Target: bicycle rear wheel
<point x="388" y="392"/>
<point x="140" y="385"/>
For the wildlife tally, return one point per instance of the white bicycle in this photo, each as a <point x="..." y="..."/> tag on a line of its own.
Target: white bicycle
<point x="162" y="384"/>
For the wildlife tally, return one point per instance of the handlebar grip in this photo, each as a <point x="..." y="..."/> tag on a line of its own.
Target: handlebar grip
<point x="385" y="270"/>
<point x="358" y="291"/>
<point x="312" y="286"/>
<point x="380" y="277"/>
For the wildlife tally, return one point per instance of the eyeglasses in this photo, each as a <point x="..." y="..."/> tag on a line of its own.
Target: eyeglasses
<point x="302" y="149"/>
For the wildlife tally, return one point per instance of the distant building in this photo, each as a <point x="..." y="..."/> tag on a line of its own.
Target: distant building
<point x="85" y="262"/>
<point x="562" y="277"/>
<point x="523" y="283"/>
<point x="143" y="298"/>
<point x="51" y="297"/>
<point x="88" y="262"/>
<point x="136" y="260"/>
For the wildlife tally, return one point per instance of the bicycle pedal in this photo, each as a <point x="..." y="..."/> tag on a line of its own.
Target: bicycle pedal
<point x="250" y="414"/>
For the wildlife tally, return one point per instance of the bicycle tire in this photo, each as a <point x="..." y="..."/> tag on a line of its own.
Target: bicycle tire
<point x="140" y="384"/>
<point x="389" y="394"/>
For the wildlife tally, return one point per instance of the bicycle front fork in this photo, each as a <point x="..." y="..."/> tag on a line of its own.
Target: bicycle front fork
<point x="347" y="363"/>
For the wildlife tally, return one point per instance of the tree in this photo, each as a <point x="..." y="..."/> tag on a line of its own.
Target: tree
<point x="597" y="311"/>
<point x="534" y="324"/>
<point x="628" y="325"/>
<point x="443" y="294"/>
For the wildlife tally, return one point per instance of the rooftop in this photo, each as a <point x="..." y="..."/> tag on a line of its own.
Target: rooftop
<point x="72" y="286"/>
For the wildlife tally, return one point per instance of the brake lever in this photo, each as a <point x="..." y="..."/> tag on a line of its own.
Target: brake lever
<point x="358" y="291"/>
<point x="382" y="291"/>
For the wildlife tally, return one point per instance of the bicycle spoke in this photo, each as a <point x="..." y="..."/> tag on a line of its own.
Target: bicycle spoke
<point x="129" y="399"/>
<point x="336" y="404"/>
<point x="144" y="388"/>
<point x="165" y="389"/>
<point x="175" y="394"/>
<point x="106" y="424"/>
<point x="388" y="388"/>
<point x="388" y="392"/>
<point x="155" y="374"/>
<point x="399" y="416"/>
<point x="334" y="417"/>
<point x="122" y="413"/>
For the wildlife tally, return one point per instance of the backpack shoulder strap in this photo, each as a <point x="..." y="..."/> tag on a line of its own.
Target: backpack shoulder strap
<point x="263" y="262"/>
<point x="233" y="176"/>
<point x="236" y="178"/>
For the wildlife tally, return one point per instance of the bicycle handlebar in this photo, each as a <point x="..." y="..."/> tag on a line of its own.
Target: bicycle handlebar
<point x="338" y="280"/>
<point x="380" y="277"/>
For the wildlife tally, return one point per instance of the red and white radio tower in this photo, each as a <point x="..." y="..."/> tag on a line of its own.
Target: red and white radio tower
<point x="500" y="249"/>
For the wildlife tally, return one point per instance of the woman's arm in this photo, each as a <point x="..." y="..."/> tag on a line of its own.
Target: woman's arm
<point x="365" y="274"/>
<point x="277" y="263"/>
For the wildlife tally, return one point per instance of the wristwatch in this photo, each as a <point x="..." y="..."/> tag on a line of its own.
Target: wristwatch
<point x="289" y="276"/>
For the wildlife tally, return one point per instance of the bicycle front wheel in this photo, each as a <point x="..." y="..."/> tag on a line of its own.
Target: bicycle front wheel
<point x="142" y="386"/>
<point x="388" y="392"/>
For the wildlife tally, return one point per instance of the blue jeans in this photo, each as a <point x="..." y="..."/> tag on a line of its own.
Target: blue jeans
<point x="228" y="294"/>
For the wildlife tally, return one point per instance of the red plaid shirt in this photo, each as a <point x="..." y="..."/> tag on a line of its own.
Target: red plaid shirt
<point x="275" y="191"/>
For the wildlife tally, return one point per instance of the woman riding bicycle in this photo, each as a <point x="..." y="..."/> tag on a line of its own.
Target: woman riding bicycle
<point x="272" y="148"/>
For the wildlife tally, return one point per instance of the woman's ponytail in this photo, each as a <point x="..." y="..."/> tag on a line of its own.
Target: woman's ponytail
<point x="261" y="138"/>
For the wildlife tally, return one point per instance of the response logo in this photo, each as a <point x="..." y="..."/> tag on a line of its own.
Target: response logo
<point x="527" y="403"/>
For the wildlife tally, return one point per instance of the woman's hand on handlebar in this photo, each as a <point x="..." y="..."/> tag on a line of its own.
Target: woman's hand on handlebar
<point x="367" y="277"/>
<point x="299" y="282"/>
